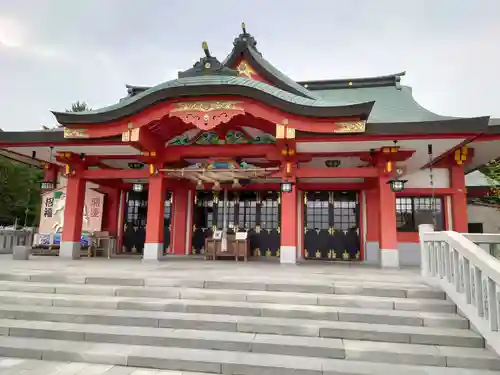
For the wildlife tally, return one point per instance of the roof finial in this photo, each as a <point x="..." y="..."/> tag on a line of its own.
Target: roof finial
<point x="204" y="45"/>
<point x="244" y="27"/>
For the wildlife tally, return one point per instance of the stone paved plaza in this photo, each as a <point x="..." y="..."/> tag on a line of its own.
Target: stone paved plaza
<point x="197" y="268"/>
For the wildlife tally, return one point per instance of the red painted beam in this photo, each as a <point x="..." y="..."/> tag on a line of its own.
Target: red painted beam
<point x="336" y="172"/>
<point x="107" y="174"/>
<point x="331" y="186"/>
<point x="175" y="153"/>
<point x="415" y="192"/>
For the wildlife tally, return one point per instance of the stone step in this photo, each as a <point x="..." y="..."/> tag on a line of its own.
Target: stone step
<point x="213" y="361"/>
<point x="257" y="343"/>
<point x="37" y="292"/>
<point x="248" y="324"/>
<point x="341" y="287"/>
<point x="363" y="315"/>
<point x="48" y="296"/>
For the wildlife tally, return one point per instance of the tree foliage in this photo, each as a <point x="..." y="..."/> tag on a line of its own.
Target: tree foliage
<point x="79" y="106"/>
<point x="19" y="192"/>
<point x="492" y="173"/>
<point x="20" y="186"/>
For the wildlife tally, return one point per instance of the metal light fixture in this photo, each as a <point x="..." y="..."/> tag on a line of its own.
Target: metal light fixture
<point x="397" y="186"/>
<point x="138" y="188"/>
<point x="236" y="184"/>
<point x="46" y="185"/>
<point x="286" y="187"/>
<point x="135" y="165"/>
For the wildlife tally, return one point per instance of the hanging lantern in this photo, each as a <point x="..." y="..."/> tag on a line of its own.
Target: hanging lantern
<point x="397" y="186"/>
<point x="461" y="155"/>
<point x="138" y="188"/>
<point x="388" y="166"/>
<point x="286" y="187"/>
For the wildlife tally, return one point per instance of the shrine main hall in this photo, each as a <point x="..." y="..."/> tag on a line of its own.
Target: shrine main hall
<point x="234" y="150"/>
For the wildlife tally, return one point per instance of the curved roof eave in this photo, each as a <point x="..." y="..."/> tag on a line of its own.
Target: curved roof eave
<point x="218" y="85"/>
<point x="458" y="126"/>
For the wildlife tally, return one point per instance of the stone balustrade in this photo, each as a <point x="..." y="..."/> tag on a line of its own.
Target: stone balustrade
<point x="10" y="238"/>
<point x="459" y="264"/>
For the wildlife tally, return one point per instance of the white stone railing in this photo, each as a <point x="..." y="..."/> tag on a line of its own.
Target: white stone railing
<point x="468" y="274"/>
<point x="10" y="238"/>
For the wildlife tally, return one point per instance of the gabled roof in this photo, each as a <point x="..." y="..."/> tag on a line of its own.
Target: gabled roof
<point x="245" y="47"/>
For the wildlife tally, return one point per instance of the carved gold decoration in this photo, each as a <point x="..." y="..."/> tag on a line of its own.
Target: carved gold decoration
<point x="345" y="255"/>
<point x="214" y="228"/>
<point x="257" y="229"/>
<point x="329" y="254"/>
<point x="194" y="227"/>
<point x="206" y="115"/>
<point x="331" y="231"/>
<point x="193" y="250"/>
<point x="134" y="249"/>
<point x="75" y="133"/>
<point x="357" y="254"/>
<point x="318" y="254"/>
<point x="256" y="252"/>
<point x="350" y="127"/>
<point x="306" y="253"/>
<point x="244" y="69"/>
<point x="278" y="253"/>
<point x="268" y="253"/>
<point x="206" y="106"/>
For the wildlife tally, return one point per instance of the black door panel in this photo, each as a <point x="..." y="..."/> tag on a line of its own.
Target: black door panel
<point x="331" y="225"/>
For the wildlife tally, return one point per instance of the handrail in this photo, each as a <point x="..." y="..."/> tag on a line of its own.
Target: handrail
<point x="468" y="274"/>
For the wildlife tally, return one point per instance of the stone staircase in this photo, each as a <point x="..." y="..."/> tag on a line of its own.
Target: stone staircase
<point x="258" y="326"/>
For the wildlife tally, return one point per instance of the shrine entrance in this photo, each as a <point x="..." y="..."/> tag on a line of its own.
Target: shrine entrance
<point x="257" y="213"/>
<point x="331" y="225"/>
<point x="134" y="229"/>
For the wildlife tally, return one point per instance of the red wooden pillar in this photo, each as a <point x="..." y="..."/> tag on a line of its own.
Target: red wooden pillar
<point x="153" y="248"/>
<point x="180" y="230"/>
<point x="112" y="208"/>
<point x="121" y="219"/>
<point x="73" y="218"/>
<point x="388" y="241"/>
<point x="289" y="207"/>
<point x="459" y="199"/>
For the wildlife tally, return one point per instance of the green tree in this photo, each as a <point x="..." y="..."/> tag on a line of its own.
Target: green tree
<point x="79" y="106"/>
<point x="19" y="192"/>
<point x="492" y="173"/>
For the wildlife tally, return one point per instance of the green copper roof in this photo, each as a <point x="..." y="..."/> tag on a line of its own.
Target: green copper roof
<point x="392" y="104"/>
<point x="219" y="85"/>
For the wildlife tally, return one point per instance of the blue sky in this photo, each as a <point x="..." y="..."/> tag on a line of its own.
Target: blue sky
<point x="54" y="52"/>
